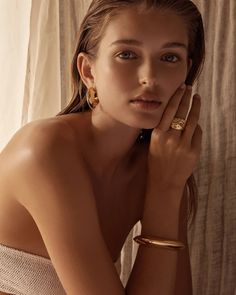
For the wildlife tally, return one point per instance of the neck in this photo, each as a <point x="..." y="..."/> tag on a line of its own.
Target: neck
<point x="112" y="141"/>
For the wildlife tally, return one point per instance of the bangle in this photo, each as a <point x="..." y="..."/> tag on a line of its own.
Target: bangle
<point x="159" y="242"/>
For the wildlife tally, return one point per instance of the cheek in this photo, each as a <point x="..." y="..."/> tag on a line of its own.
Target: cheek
<point x="172" y="79"/>
<point x="174" y="74"/>
<point x="114" y="84"/>
<point x="117" y="76"/>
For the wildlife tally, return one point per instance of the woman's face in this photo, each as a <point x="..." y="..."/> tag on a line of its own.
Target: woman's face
<point x="134" y="58"/>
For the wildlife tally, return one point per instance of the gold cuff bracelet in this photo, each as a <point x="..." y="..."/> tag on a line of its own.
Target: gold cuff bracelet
<point x="159" y="242"/>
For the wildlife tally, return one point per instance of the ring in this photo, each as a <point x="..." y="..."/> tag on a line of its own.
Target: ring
<point x="178" y="124"/>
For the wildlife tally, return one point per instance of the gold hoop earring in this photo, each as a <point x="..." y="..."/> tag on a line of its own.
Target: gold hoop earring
<point x="92" y="98"/>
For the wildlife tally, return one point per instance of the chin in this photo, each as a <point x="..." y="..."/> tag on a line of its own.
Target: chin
<point x="143" y="124"/>
<point x="146" y="122"/>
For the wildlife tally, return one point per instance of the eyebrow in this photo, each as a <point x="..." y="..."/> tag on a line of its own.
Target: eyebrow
<point x="138" y="43"/>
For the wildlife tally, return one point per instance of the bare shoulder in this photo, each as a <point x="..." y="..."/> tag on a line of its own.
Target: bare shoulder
<point x="50" y="181"/>
<point x="49" y="142"/>
<point x="44" y="130"/>
<point x="37" y="136"/>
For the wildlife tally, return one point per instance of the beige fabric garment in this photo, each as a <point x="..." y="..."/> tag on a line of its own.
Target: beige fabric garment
<point x="23" y="273"/>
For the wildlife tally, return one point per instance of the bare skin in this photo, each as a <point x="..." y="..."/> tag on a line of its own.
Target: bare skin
<point x="24" y="233"/>
<point x="119" y="199"/>
<point x="83" y="169"/>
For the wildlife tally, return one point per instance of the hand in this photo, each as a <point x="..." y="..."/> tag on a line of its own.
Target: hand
<point x="173" y="154"/>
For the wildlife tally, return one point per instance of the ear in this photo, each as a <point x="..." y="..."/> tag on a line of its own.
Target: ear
<point x="84" y="66"/>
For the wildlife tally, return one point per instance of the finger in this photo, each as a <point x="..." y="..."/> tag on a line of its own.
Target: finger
<point x="183" y="109"/>
<point x="185" y="103"/>
<point x="192" y="121"/>
<point x="197" y="140"/>
<point x="171" y="109"/>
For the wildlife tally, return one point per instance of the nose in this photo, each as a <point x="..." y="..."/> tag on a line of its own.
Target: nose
<point x="148" y="75"/>
<point x="148" y="82"/>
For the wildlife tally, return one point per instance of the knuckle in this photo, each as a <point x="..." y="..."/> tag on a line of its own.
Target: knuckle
<point x="171" y="140"/>
<point x="188" y="127"/>
<point x="173" y="107"/>
<point x="157" y="133"/>
<point x="194" y="118"/>
<point x="191" y="125"/>
<point x="184" y="106"/>
<point x="170" y="111"/>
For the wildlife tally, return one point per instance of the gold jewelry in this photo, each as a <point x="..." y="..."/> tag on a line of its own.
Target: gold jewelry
<point x="159" y="242"/>
<point x="178" y="124"/>
<point x="92" y="98"/>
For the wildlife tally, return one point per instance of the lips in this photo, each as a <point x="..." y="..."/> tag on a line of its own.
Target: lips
<point x="145" y="105"/>
<point x="147" y="97"/>
<point x="145" y="100"/>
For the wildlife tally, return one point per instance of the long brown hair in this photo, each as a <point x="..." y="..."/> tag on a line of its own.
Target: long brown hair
<point x="91" y="32"/>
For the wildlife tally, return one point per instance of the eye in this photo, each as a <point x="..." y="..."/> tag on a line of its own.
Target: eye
<point x="127" y="55"/>
<point x="170" y="58"/>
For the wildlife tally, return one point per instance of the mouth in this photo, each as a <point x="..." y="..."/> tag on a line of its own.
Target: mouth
<point x="147" y="101"/>
<point x="144" y="104"/>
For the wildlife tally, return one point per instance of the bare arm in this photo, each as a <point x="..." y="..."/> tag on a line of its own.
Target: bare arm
<point x="162" y="271"/>
<point x="52" y="185"/>
<point x="54" y="188"/>
<point x="173" y="155"/>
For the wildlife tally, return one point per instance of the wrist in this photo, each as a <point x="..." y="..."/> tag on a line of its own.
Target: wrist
<point x="165" y="186"/>
<point x="160" y="196"/>
<point x="162" y="212"/>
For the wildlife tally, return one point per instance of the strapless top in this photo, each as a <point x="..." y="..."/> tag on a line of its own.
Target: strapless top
<point x="23" y="273"/>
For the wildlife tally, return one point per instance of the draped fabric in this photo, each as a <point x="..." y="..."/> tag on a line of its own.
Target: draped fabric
<point x="42" y="95"/>
<point x="37" y="43"/>
<point x="14" y="39"/>
<point x="213" y="236"/>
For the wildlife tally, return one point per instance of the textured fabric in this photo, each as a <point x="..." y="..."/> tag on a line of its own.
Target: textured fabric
<point x="213" y="236"/>
<point x="14" y="39"/>
<point x="42" y="93"/>
<point x="23" y="273"/>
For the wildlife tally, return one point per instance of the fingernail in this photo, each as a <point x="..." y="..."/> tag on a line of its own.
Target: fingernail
<point x="183" y="86"/>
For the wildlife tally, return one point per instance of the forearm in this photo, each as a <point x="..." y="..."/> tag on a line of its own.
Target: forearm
<point x="160" y="271"/>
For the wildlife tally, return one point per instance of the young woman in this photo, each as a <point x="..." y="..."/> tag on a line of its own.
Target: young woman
<point x="73" y="186"/>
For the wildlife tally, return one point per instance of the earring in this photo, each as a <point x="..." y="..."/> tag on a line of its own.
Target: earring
<point x="92" y="98"/>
